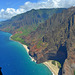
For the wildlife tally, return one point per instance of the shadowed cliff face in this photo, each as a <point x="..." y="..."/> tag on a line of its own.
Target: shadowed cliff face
<point x="55" y="40"/>
<point x="62" y="56"/>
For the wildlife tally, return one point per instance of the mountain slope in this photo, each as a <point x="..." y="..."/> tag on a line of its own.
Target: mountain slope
<point x="21" y="25"/>
<point x="48" y="36"/>
<point x="55" y="40"/>
<point x="33" y="17"/>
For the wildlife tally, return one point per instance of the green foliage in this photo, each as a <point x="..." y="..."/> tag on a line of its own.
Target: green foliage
<point x="26" y="23"/>
<point x="59" y="65"/>
<point x="33" y="17"/>
<point x="39" y="44"/>
<point x="54" y="62"/>
<point x="74" y="72"/>
<point x="18" y="39"/>
<point x="25" y="31"/>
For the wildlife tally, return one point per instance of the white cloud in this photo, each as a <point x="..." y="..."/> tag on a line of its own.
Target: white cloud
<point x="2" y="10"/>
<point x="9" y="12"/>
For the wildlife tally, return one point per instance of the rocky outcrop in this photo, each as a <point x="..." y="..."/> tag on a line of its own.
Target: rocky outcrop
<point x="67" y="70"/>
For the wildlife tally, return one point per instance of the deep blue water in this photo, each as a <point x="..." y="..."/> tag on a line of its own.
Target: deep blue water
<point x="14" y="59"/>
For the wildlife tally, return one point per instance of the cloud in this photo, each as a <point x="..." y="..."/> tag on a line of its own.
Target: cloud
<point x="48" y="4"/>
<point x="9" y="12"/>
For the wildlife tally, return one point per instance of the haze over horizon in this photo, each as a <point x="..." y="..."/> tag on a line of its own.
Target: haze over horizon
<point x="9" y="8"/>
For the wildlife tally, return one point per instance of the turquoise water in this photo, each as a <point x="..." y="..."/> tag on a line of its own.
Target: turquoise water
<point x="14" y="59"/>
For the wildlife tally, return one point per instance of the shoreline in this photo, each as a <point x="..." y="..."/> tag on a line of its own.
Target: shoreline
<point x="54" y="69"/>
<point x="32" y="59"/>
<point x="45" y="63"/>
<point x="26" y="48"/>
<point x="49" y="68"/>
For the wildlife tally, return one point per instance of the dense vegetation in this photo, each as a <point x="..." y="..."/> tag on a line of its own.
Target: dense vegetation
<point x="56" y="63"/>
<point x="22" y="25"/>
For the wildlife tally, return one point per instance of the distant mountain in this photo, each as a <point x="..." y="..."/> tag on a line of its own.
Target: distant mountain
<point x="23" y="24"/>
<point x="55" y="40"/>
<point x="33" y="17"/>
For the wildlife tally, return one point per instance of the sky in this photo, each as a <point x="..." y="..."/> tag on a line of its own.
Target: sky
<point x="10" y="8"/>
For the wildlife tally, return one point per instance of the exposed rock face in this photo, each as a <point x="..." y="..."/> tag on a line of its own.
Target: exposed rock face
<point x="67" y="70"/>
<point x="55" y="40"/>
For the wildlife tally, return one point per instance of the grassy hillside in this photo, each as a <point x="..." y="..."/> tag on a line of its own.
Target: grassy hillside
<point x="55" y="40"/>
<point x="22" y="25"/>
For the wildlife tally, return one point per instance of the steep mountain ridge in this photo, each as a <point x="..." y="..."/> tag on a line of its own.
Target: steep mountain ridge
<point x="55" y="40"/>
<point x="23" y="24"/>
<point x="33" y="17"/>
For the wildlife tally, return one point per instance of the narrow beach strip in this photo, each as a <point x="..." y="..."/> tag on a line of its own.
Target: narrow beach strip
<point x="25" y="46"/>
<point x="48" y="64"/>
<point x="54" y="69"/>
<point x="51" y="68"/>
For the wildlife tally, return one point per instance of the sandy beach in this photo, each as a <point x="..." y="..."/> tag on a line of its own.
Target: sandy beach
<point x="54" y="69"/>
<point x="26" y="48"/>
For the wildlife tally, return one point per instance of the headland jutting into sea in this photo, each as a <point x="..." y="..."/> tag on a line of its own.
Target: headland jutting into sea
<point x="53" y="68"/>
<point x="15" y="60"/>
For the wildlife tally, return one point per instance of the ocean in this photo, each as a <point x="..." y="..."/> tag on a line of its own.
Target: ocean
<point x="14" y="59"/>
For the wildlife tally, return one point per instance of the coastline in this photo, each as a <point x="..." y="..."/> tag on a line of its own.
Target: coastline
<point x="54" y="69"/>
<point x="26" y="48"/>
<point x="47" y="63"/>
